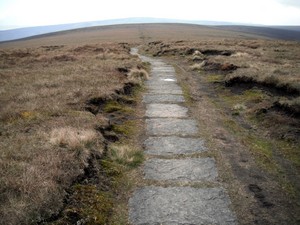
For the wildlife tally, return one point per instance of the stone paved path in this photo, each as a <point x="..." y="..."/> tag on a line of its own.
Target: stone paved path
<point x="172" y="132"/>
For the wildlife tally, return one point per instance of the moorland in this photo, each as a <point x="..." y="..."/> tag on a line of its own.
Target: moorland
<point x="72" y="119"/>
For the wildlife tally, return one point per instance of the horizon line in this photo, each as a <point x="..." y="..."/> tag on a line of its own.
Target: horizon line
<point x="159" y="20"/>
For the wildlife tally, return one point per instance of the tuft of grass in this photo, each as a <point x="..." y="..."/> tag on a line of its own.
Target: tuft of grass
<point x="72" y="138"/>
<point x="213" y="78"/>
<point x="290" y="105"/>
<point x="238" y="108"/>
<point x="138" y="75"/>
<point x="28" y="115"/>
<point x="126" y="155"/>
<point x="198" y="66"/>
<point x="115" y="106"/>
<point x="127" y="128"/>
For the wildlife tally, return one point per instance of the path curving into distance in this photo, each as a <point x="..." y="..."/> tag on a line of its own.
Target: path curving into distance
<point x="172" y="132"/>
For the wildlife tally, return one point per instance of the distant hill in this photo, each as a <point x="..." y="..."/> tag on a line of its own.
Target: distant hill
<point x="277" y="32"/>
<point x="291" y="33"/>
<point x="14" y="34"/>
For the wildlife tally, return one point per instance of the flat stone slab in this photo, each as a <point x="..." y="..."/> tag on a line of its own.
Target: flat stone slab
<point x="159" y="75"/>
<point x="158" y="63"/>
<point x="169" y="79"/>
<point x="169" y="86"/>
<point x="173" y="145"/>
<point x="180" y="206"/>
<point x="163" y="69"/>
<point x="161" y="81"/>
<point x="163" y="98"/>
<point x="193" y="169"/>
<point x="171" y="126"/>
<point x="165" y="91"/>
<point x="166" y="110"/>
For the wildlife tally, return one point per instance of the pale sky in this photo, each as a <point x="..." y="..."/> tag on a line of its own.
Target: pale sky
<point x="27" y="13"/>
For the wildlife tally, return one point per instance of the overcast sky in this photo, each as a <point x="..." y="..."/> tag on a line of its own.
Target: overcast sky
<point x="24" y="13"/>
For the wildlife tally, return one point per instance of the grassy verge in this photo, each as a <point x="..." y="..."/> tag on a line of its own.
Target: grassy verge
<point x="254" y="142"/>
<point x="51" y="109"/>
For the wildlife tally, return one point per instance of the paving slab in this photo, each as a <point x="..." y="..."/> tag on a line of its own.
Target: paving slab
<point x="169" y="79"/>
<point x="173" y="145"/>
<point x="161" y="81"/>
<point x="171" y="126"/>
<point x="166" y="110"/>
<point x="162" y="74"/>
<point x="160" y="78"/>
<point x="180" y="206"/>
<point x="153" y="98"/>
<point x="163" y="69"/>
<point x="170" y="87"/>
<point x="192" y="169"/>
<point x="165" y="91"/>
<point x="158" y="63"/>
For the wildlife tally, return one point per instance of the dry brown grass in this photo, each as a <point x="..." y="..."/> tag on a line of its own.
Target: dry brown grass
<point x="47" y="136"/>
<point x="241" y="67"/>
<point x="138" y="75"/>
<point x="273" y="64"/>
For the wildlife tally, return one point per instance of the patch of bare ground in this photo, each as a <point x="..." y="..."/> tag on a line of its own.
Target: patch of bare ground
<point x="245" y="95"/>
<point x="61" y="107"/>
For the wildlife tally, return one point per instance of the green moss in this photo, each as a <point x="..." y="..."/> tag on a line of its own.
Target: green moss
<point x="93" y="206"/>
<point x="254" y="95"/>
<point x="186" y="93"/>
<point x="248" y="96"/>
<point x="212" y="78"/>
<point x="113" y="106"/>
<point x="291" y="151"/>
<point x="126" y="155"/>
<point x="261" y="149"/>
<point x="88" y="204"/>
<point x="127" y="128"/>
<point x="232" y="126"/>
<point x="111" y="168"/>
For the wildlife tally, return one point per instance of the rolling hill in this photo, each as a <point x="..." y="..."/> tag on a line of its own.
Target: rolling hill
<point x="278" y="32"/>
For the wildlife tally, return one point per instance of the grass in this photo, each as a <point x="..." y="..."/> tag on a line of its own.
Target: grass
<point x="88" y="203"/>
<point x="247" y="97"/>
<point x="214" y="78"/>
<point x="72" y="138"/>
<point x="127" y="128"/>
<point x="47" y="136"/>
<point x="264" y="64"/>
<point x="126" y="155"/>
<point x="115" y="106"/>
<point x="254" y="119"/>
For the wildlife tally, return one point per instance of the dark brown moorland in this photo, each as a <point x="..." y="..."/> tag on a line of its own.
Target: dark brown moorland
<point x="72" y="120"/>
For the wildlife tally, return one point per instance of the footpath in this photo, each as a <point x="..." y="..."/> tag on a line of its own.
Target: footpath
<point x="172" y="140"/>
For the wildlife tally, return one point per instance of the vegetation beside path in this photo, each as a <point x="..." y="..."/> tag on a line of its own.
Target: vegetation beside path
<point x="245" y="94"/>
<point x="68" y="124"/>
